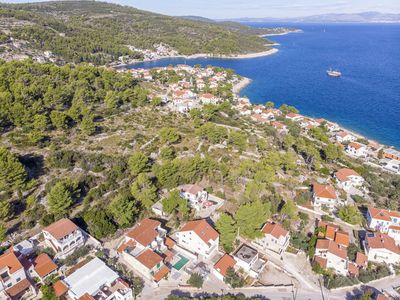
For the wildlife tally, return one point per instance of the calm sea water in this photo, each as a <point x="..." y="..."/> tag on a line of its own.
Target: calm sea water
<point x="365" y="99"/>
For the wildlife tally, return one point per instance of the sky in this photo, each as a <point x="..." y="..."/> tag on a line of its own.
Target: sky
<point x="220" y="9"/>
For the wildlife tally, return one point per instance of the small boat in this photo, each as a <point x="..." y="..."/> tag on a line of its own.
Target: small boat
<point x="334" y="73"/>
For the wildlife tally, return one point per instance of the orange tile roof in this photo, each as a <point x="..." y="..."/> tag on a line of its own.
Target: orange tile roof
<point x="383" y="214"/>
<point x="344" y="174"/>
<point x="144" y="232"/>
<point x="44" y="265"/>
<point x="224" y="264"/>
<point x="330" y="232"/>
<point x="321" y="261"/>
<point x="149" y="258"/>
<point x="60" y="288"/>
<point x="192" y="188"/>
<point x="274" y="229"/>
<point x="18" y="288"/>
<point x="382" y="297"/>
<point x="9" y="260"/>
<point x="342" y="238"/>
<point x="356" y="145"/>
<point x="332" y="247"/>
<point x="86" y="296"/>
<point x="383" y="241"/>
<point x="61" y="228"/>
<point x="170" y="243"/>
<point x="124" y="246"/>
<point x="394" y="227"/>
<point x="324" y="191"/>
<point x="292" y="115"/>
<point x="161" y="273"/>
<point x="202" y="229"/>
<point x="168" y="255"/>
<point x="353" y="269"/>
<point x="361" y="259"/>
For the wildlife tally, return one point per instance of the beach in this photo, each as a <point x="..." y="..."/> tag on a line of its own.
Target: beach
<point x="241" y="85"/>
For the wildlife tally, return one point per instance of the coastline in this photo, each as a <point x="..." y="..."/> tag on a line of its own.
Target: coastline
<point x="282" y="33"/>
<point x="268" y="52"/>
<point x="245" y="81"/>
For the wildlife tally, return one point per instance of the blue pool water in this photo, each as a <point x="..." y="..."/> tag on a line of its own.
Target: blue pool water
<point x="365" y="99"/>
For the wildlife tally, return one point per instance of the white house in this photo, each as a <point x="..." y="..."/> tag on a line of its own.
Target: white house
<point x="343" y="137"/>
<point x="381" y="219"/>
<point x="331" y="255"/>
<point x="144" y="248"/>
<point x="275" y="238"/>
<point x="348" y="178"/>
<point x="63" y="237"/>
<point x="198" y="237"/>
<point x="13" y="280"/>
<point x="294" y="117"/>
<point x="357" y="149"/>
<point x="208" y="98"/>
<point x="95" y="280"/>
<point x="324" y="195"/>
<point x="222" y="266"/>
<point x="42" y="267"/>
<point x="248" y="259"/>
<point x="393" y="166"/>
<point x="381" y="248"/>
<point x="195" y="195"/>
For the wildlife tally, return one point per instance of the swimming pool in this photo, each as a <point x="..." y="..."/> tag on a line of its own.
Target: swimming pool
<point x="183" y="261"/>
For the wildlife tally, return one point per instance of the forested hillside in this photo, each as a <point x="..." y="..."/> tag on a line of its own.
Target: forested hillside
<point x="98" y="32"/>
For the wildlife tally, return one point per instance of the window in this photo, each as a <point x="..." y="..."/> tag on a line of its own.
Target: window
<point x="18" y="279"/>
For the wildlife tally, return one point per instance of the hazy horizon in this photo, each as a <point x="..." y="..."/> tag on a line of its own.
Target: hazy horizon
<point x="226" y="9"/>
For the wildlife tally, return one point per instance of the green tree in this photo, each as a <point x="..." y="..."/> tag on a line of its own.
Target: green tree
<point x="138" y="163"/>
<point x="352" y="250"/>
<point x="48" y="293"/>
<point x="5" y="209"/>
<point x="332" y="152"/>
<point x="227" y="229"/>
<point x="60" y="197"/>
<point x="250" y="217"/>
<point x="40" y="123"/>
<point x="144" y="190"/>
<point x="238" y="139"/>
<point x="195" y="280"/>
<point x="233" y="279"/>
<point x="350" y="214"/>
<point x="3" y="232"/>
<point x="99" y="223"/>
<point x="169" y="135"/>
<point x="167" y="153"/>
<point x="289" y="210"/>
<point x="58" y="119"/>
<point x="12" y="173"/>
<point x="270" y="104"/>
<point x="174" y="202"/>
<point x="87" y="125"/>
<point x="123" y="209"/>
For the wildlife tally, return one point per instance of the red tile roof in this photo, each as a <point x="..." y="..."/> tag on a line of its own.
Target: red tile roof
<point x="149" y="258"/>
<point x="356" y="145"/>
<point x="275" y="230"/>
<point x="60" y="288"/>
<point x="44" y="265"/>
<point x="383" y="214"/>
<point x="192" y="188"/>
<point x="332" y="247"/>
<point x="202" y="229"/>
<point x="324" y="191"/>
<point x="382" y="241"/>
<point x="344" y="174"/>
<point x="18" y="288"/>
<point x="61" y="228"/>
<point x="86" y="296"/>
<point x="321" y="261"/>
<point x="144" y="232"/>
<point x="342" y="238"/>
<point x="224" y="264"/>
<point x="353" y="269"/>
<point x="9" y="260"/>
<point x="361" y="259"/>
<point x="124" y="246"/>
<point x="170" y="243"/>
<point x="161" y="273"/>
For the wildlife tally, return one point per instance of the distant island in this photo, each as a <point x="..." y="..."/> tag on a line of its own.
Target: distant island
<point x="364" y="17"/>
<point x="102" y="33"/>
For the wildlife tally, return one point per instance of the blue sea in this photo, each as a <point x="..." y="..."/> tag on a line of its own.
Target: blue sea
<point x="366" y="99"/>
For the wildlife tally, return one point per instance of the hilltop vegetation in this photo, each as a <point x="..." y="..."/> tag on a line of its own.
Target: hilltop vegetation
<point x="99" y="32"/>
